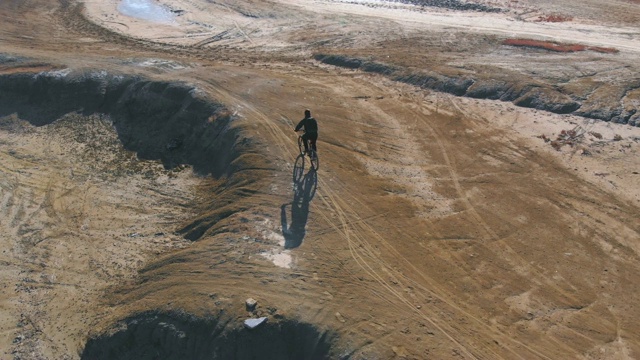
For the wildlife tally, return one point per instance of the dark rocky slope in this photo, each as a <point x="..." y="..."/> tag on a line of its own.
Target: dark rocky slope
<point x="615" y="103"/>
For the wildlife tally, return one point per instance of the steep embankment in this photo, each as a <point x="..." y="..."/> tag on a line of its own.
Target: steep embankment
<point x="158" y="120"/>
<point x="171" y="122"/>
<point x="584" y="97"/>
<point x="107" y="217"/>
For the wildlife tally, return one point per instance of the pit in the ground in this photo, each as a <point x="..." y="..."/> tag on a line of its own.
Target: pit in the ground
<point x="179" y="336"/>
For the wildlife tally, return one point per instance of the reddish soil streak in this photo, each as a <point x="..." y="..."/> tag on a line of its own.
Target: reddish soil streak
<point x="554" y="18"/>
<point x="553" y="46"/>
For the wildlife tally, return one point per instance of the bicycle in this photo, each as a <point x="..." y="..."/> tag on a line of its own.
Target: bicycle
<point x="313" y="154"/>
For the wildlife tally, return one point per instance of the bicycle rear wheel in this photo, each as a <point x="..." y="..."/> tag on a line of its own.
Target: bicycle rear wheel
<point x="315" y="160"/>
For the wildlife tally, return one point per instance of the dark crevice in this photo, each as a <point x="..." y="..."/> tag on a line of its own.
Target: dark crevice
<point x="162" y="121"/>
<point x="168" y="336"/>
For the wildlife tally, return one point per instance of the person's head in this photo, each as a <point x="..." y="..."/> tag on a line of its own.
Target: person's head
<point x="307" y="113"/>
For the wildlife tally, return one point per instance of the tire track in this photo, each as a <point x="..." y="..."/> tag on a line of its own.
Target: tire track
<point x="349" y="226"/>
<point x="344" y="227"/>
<point x="441" y="293"/>
<point x="285" y="143"/>
<point x="359" y="243"/>
<point x="367" y="257"/>
<point x="495" y="241"/>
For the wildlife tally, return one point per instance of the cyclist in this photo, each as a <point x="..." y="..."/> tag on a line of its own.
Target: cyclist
<point x="310" y="131"/>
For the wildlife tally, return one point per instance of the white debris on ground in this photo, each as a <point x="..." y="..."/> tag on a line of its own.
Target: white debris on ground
<point x="253" y="323"/>
<point x="251" y="304"/>
<point x="278" y="255"/>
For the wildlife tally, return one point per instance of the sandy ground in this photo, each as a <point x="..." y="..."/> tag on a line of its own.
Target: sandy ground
<point x="437" y="226"/>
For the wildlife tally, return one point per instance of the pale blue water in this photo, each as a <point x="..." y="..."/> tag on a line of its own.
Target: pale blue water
<point x="145" y="9"/>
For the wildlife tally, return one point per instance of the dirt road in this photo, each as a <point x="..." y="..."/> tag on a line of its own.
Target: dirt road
<point x="151" y="183"/>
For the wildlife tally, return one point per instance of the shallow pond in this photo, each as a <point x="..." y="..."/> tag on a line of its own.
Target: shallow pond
<point x="146" y="9"/>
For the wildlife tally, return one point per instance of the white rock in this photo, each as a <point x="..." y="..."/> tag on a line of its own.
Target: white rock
<point x="253" y="323"/>
<point x="251" y="304"/>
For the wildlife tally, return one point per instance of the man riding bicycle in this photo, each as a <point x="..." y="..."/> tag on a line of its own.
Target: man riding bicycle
<point x="310" y="131"/>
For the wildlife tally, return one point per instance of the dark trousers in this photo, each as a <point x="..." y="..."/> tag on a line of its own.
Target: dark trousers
<point x="312" y="137"/>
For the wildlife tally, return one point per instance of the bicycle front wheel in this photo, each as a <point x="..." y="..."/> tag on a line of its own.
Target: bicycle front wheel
<point x="300" y="145"/>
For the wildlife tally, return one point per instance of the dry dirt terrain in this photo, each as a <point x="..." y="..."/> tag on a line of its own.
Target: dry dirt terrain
<point x="478" y="195"/>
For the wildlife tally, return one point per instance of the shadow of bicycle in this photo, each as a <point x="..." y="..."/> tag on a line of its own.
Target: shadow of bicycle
<point x="304" y="189"/>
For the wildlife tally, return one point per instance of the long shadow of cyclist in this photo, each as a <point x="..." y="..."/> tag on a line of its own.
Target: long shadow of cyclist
<point x="304" y="188"/>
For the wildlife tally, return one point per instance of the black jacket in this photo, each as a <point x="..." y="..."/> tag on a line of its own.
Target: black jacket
<point x="310" y="125"/>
